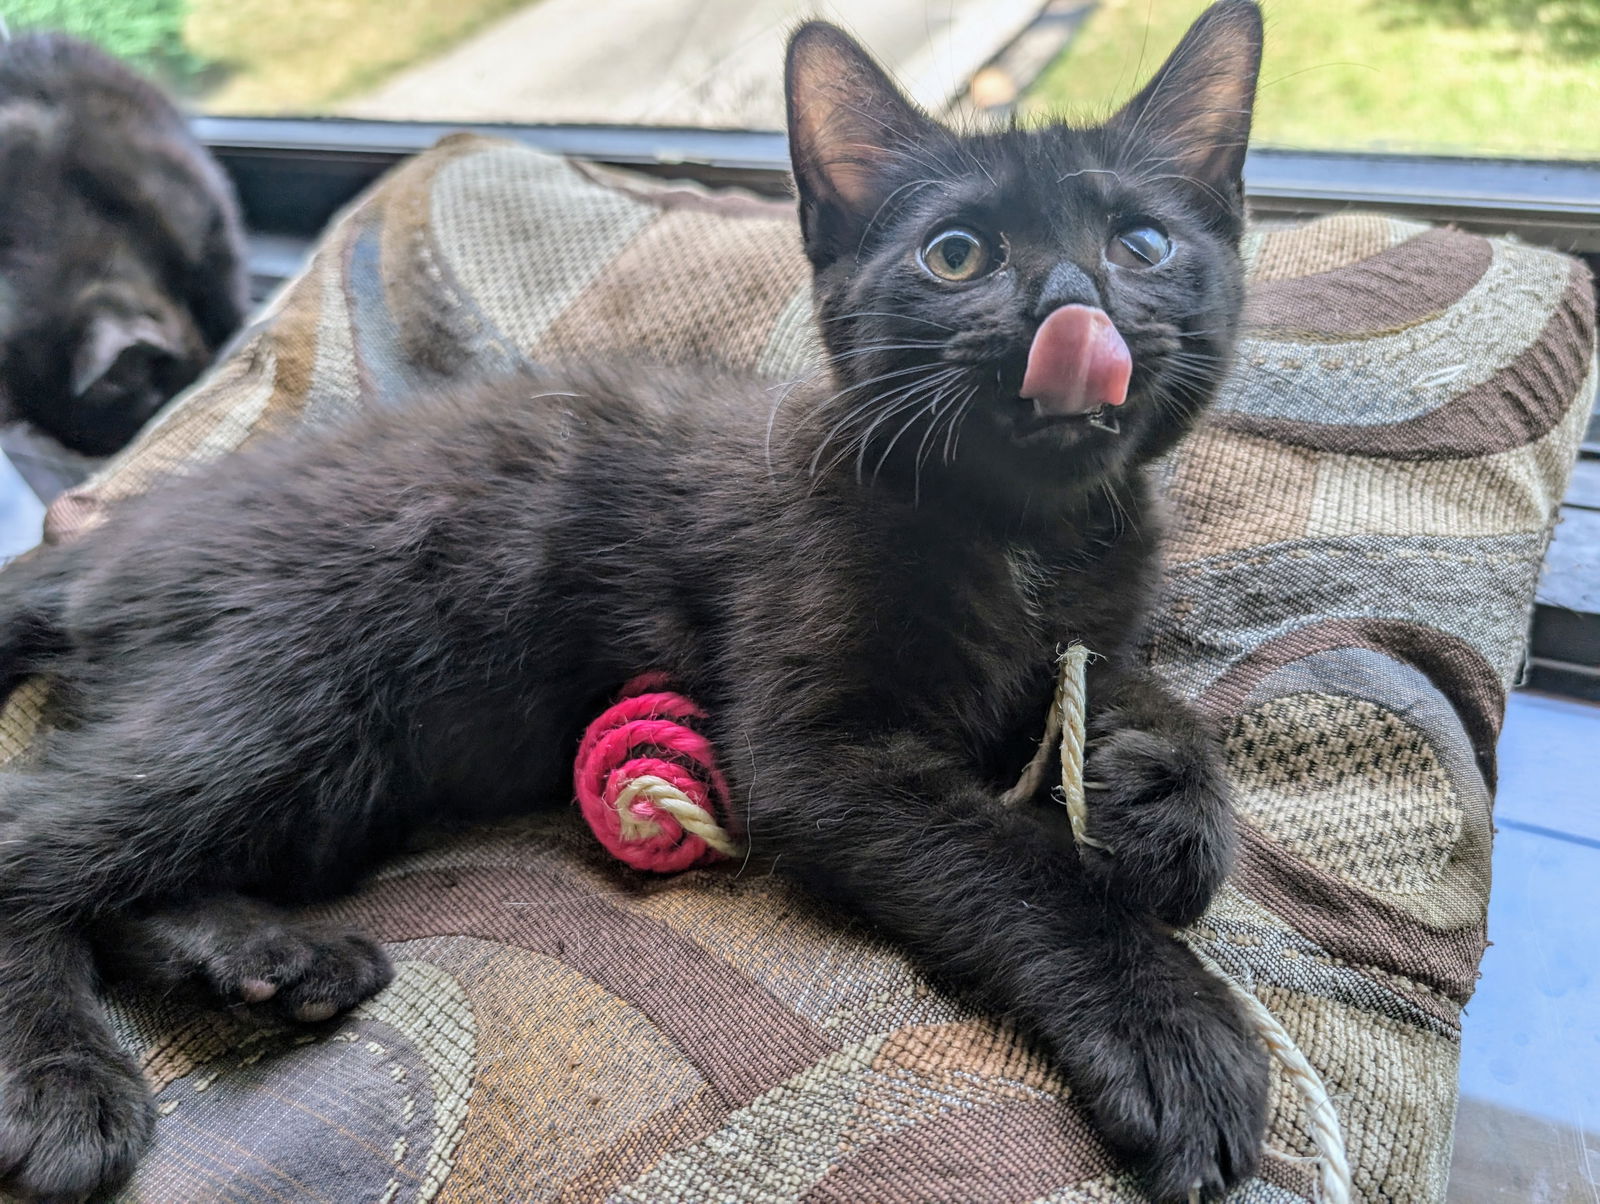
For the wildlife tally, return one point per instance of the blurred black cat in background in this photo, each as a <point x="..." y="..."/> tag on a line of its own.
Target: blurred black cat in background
<point x="121" y="255"/>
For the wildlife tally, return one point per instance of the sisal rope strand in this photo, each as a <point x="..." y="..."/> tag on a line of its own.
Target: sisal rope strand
<point x="1068" y="715"/>
<point x="692" y="818"/>
<point x="1323" y="1118"/>
<point x="1063" y="728"/>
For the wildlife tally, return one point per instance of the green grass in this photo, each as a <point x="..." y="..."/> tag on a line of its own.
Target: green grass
<point x="149" y="31"/>
<point x="1455" y="76"/>
<point x="301" y="56"/>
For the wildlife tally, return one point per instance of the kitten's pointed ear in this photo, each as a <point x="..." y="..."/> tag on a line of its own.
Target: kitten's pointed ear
<point x="1196" y="110"/>
<point x="847" y="123"/>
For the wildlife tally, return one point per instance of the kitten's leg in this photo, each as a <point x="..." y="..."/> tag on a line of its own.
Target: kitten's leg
<point x="74" y="1113"/>
<point x="92" y="831"/>
<point x="1157" y="797"/>
<point x="993" y="900"/>
<point x="247" y="952"/>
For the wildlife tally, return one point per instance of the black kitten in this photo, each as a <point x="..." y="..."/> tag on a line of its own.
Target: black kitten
<point x="121" y="258"/>
<point x="277" y="670"/>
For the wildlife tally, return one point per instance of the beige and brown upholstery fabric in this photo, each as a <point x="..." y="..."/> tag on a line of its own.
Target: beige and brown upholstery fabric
<point x="1357" y="531"/>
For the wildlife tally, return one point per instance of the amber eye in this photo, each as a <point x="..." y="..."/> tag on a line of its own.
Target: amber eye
<point x="956" y="254"/>
<point x="1138" y="247"/>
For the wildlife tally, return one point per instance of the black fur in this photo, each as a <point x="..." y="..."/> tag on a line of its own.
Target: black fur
<point x="121" y="258"/>
<point x="278" y="671"/>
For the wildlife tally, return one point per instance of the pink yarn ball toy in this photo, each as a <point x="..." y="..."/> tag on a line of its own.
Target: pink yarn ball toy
<point x="648" y="783"/>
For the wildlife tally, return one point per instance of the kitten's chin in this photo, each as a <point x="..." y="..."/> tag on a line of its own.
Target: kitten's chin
<point x="1027" y="426"/>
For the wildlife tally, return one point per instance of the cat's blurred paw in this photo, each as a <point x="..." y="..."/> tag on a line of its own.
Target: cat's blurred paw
<point x="72" y="1125"/>
<point x="302" y="970"/>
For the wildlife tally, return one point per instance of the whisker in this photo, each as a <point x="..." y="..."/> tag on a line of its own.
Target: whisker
<point x="855" y="352"/>
<point x="866" y="231"/>
<point x="872" y="380"/>
<point x="946" y="398"/>
<point x="896" y="401"/>
<point x="851" y="415"/>
<point x="875" y="313"/>
<point x="904" y="427"/>
<point x="952" y="427"/>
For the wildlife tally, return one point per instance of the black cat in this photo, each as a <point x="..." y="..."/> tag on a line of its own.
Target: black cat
<point x="274" y="672"/>
<point x="122" y="267"/>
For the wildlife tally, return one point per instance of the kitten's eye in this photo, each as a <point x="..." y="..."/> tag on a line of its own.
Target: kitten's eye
<point x="955" y="254"/>
<point x="1138" y="247"/>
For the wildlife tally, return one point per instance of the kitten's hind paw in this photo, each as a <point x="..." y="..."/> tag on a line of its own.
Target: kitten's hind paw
<point x="249" y="953"/>
<point x="306" y="972"/>
<point x="72" y="1125"/>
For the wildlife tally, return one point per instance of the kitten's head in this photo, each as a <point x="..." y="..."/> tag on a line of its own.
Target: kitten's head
<point x="1029" y="308"/>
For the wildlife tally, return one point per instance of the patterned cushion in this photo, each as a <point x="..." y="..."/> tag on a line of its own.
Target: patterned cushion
<point x="1357" y="533"/>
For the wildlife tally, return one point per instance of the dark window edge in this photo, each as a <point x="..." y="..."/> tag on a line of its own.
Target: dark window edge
<point x="1564" y="678"/>
<point x="1557" y="201"/>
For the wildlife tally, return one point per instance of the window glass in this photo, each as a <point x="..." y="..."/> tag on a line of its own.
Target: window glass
<point x="1475" y="77"/>
<point x="1496" y="77"/>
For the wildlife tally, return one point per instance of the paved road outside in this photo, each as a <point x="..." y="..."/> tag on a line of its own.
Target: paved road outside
<point x="714" y="63"/>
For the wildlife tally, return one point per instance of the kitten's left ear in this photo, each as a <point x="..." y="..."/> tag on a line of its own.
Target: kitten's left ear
<point x="1197" y="107"/>
<point x="847" y="124"/>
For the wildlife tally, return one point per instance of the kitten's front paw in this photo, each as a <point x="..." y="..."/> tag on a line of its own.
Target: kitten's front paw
<point x="1158" y="803"/>
<point x="1180" y="1091"/>
<point x="72" y="1125"/>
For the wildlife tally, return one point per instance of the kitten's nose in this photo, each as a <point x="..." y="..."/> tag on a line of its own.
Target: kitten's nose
<point x="1067" y="284"/>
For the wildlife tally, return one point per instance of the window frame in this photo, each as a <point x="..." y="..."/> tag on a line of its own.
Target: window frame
<point x="1554" y="202"/>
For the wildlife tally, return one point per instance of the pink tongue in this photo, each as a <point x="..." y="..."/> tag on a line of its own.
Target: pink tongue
<point x="1078" y="362"/>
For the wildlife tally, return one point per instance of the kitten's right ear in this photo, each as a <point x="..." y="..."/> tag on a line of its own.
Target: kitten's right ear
<point x="847" y="125"/>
